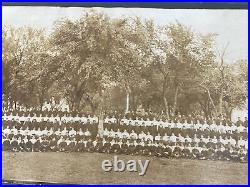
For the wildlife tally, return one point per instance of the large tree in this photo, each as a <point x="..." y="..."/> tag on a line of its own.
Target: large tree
<point x="94" y="53"/>
<point x="21" y="47"/>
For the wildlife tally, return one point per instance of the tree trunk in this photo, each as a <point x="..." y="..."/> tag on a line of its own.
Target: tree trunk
<point x="164" y="90"/>
<point x="175" y="100"/>
<point x="77" y="105"/>
<point x="101" y="114"/>
<point x="166" y="106"/>
<point x="91" y="103"/>
<point x="128" y="92"/>
<point x="221" y="102"/>
<point x="93" y="107"/>
<point x="230" y="113"/>
<point x="72" y="106"/>
<point x="15" y="105"/>
<point x="133" y="103"/>
<point x="210" y="98"/>
<point x="127" y="101"/>
<point x="204" y="108"/>
<point x="77" y="101"/>
<point x="228" y="110"/>
<point x="41" y="101"/>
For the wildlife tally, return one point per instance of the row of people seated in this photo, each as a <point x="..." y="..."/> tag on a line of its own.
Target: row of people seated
<point x="179" y="138"/>
<point x="62" y="131"/>
<point x="49" y="132"/>
<point x="172" y="127"/>
<point x="122" y="146"/>
<point x="50" y="118"/>
<point x="43" y="125"/>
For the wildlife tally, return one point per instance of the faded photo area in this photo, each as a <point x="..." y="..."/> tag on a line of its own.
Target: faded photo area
<point x="124" y="96"/>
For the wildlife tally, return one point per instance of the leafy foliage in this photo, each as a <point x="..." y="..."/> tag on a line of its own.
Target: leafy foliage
<point x="97" y="62"/>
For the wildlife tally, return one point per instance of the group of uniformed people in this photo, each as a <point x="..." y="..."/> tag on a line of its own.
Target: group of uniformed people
<point x="189" y="138"/>
<point x="45" y="132"/>
<point x="213" y="135"/>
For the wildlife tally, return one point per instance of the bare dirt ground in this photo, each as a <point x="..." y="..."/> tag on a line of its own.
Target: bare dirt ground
<point x="85" y="168"/>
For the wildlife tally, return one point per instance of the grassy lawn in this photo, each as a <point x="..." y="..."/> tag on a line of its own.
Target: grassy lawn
<point x="86" y="168"/>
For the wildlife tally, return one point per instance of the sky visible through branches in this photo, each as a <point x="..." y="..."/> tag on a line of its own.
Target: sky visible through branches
<point x="230" y="25"/>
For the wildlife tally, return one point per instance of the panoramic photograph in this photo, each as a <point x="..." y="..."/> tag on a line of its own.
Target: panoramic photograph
<point x="124" y="95"/>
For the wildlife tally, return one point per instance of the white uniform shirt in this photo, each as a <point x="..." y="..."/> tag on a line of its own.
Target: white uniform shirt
<point x="158" y="138"/>
<point x="149" y="137"/>
<point x="113" y="120"/>
<point x="221" y="128"/>
<point x="205" y="126"/>
<point x="58" y="132"/>
<point x="241" y="142"/>
<point x="33" y="140"/>
<point x="213" y="127"/>
<point x="118" y="134"/>
<point x="14" y="131"/>
<point x="172" y="125"/>
<point x="72" y="132"/>
<point x="225" y="141"/>
<point x="68" y="142"/>
<point x="197" y="140"/>
<point x="232" y="141"/>
<point x="111" y="133"/>
<point x="64" y="132"/>
<point x="172" y="138"/>
<point x="84" y="119"/>
<point x="95" y="118"/>
<point x="240" y="129"/>
<point x="105" y="132"/>
<point x="7" y="131"/>
<point x="5" y="117"/>
<point x="133" y="135"/>
<point x="179" y="125"/>
<point x="233" y="127"/>
<point x="22" y="119"/>
<point x="165" y="138"/>
<point x="214" y="140"/>
<point x="125" y="134"/>
<point x="142" y="136"/>
<point x="156" y="122"/>
<point x="246" y="144"/>
<point x="181" y="139"/>
<point x="87" y="133"/>
<point x="228" y="128"/>
<point x="107" y="120"/>
<point x="196" y="126"/>
<point x="186" y="125"/>
<point x="148" y="122"/>
<point x="76" y="119"/>
<point x="188" y="139"/>
<point x="124" y="120"/>
<point x="165" y="125"/>
<point x="64" y="118"/>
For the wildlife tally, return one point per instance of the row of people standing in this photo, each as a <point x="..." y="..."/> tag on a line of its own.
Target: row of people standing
<point x="179" y="138"/>
<point x="162" y="128"/>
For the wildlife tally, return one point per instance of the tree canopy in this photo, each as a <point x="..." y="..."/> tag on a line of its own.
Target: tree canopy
<point x="98" y="62"/>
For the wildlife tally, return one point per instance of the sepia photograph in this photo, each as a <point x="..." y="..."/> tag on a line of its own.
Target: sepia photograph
<point x="95" y="95"/>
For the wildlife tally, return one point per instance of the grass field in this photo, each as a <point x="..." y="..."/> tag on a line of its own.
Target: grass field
<point x="86" y="168"/>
